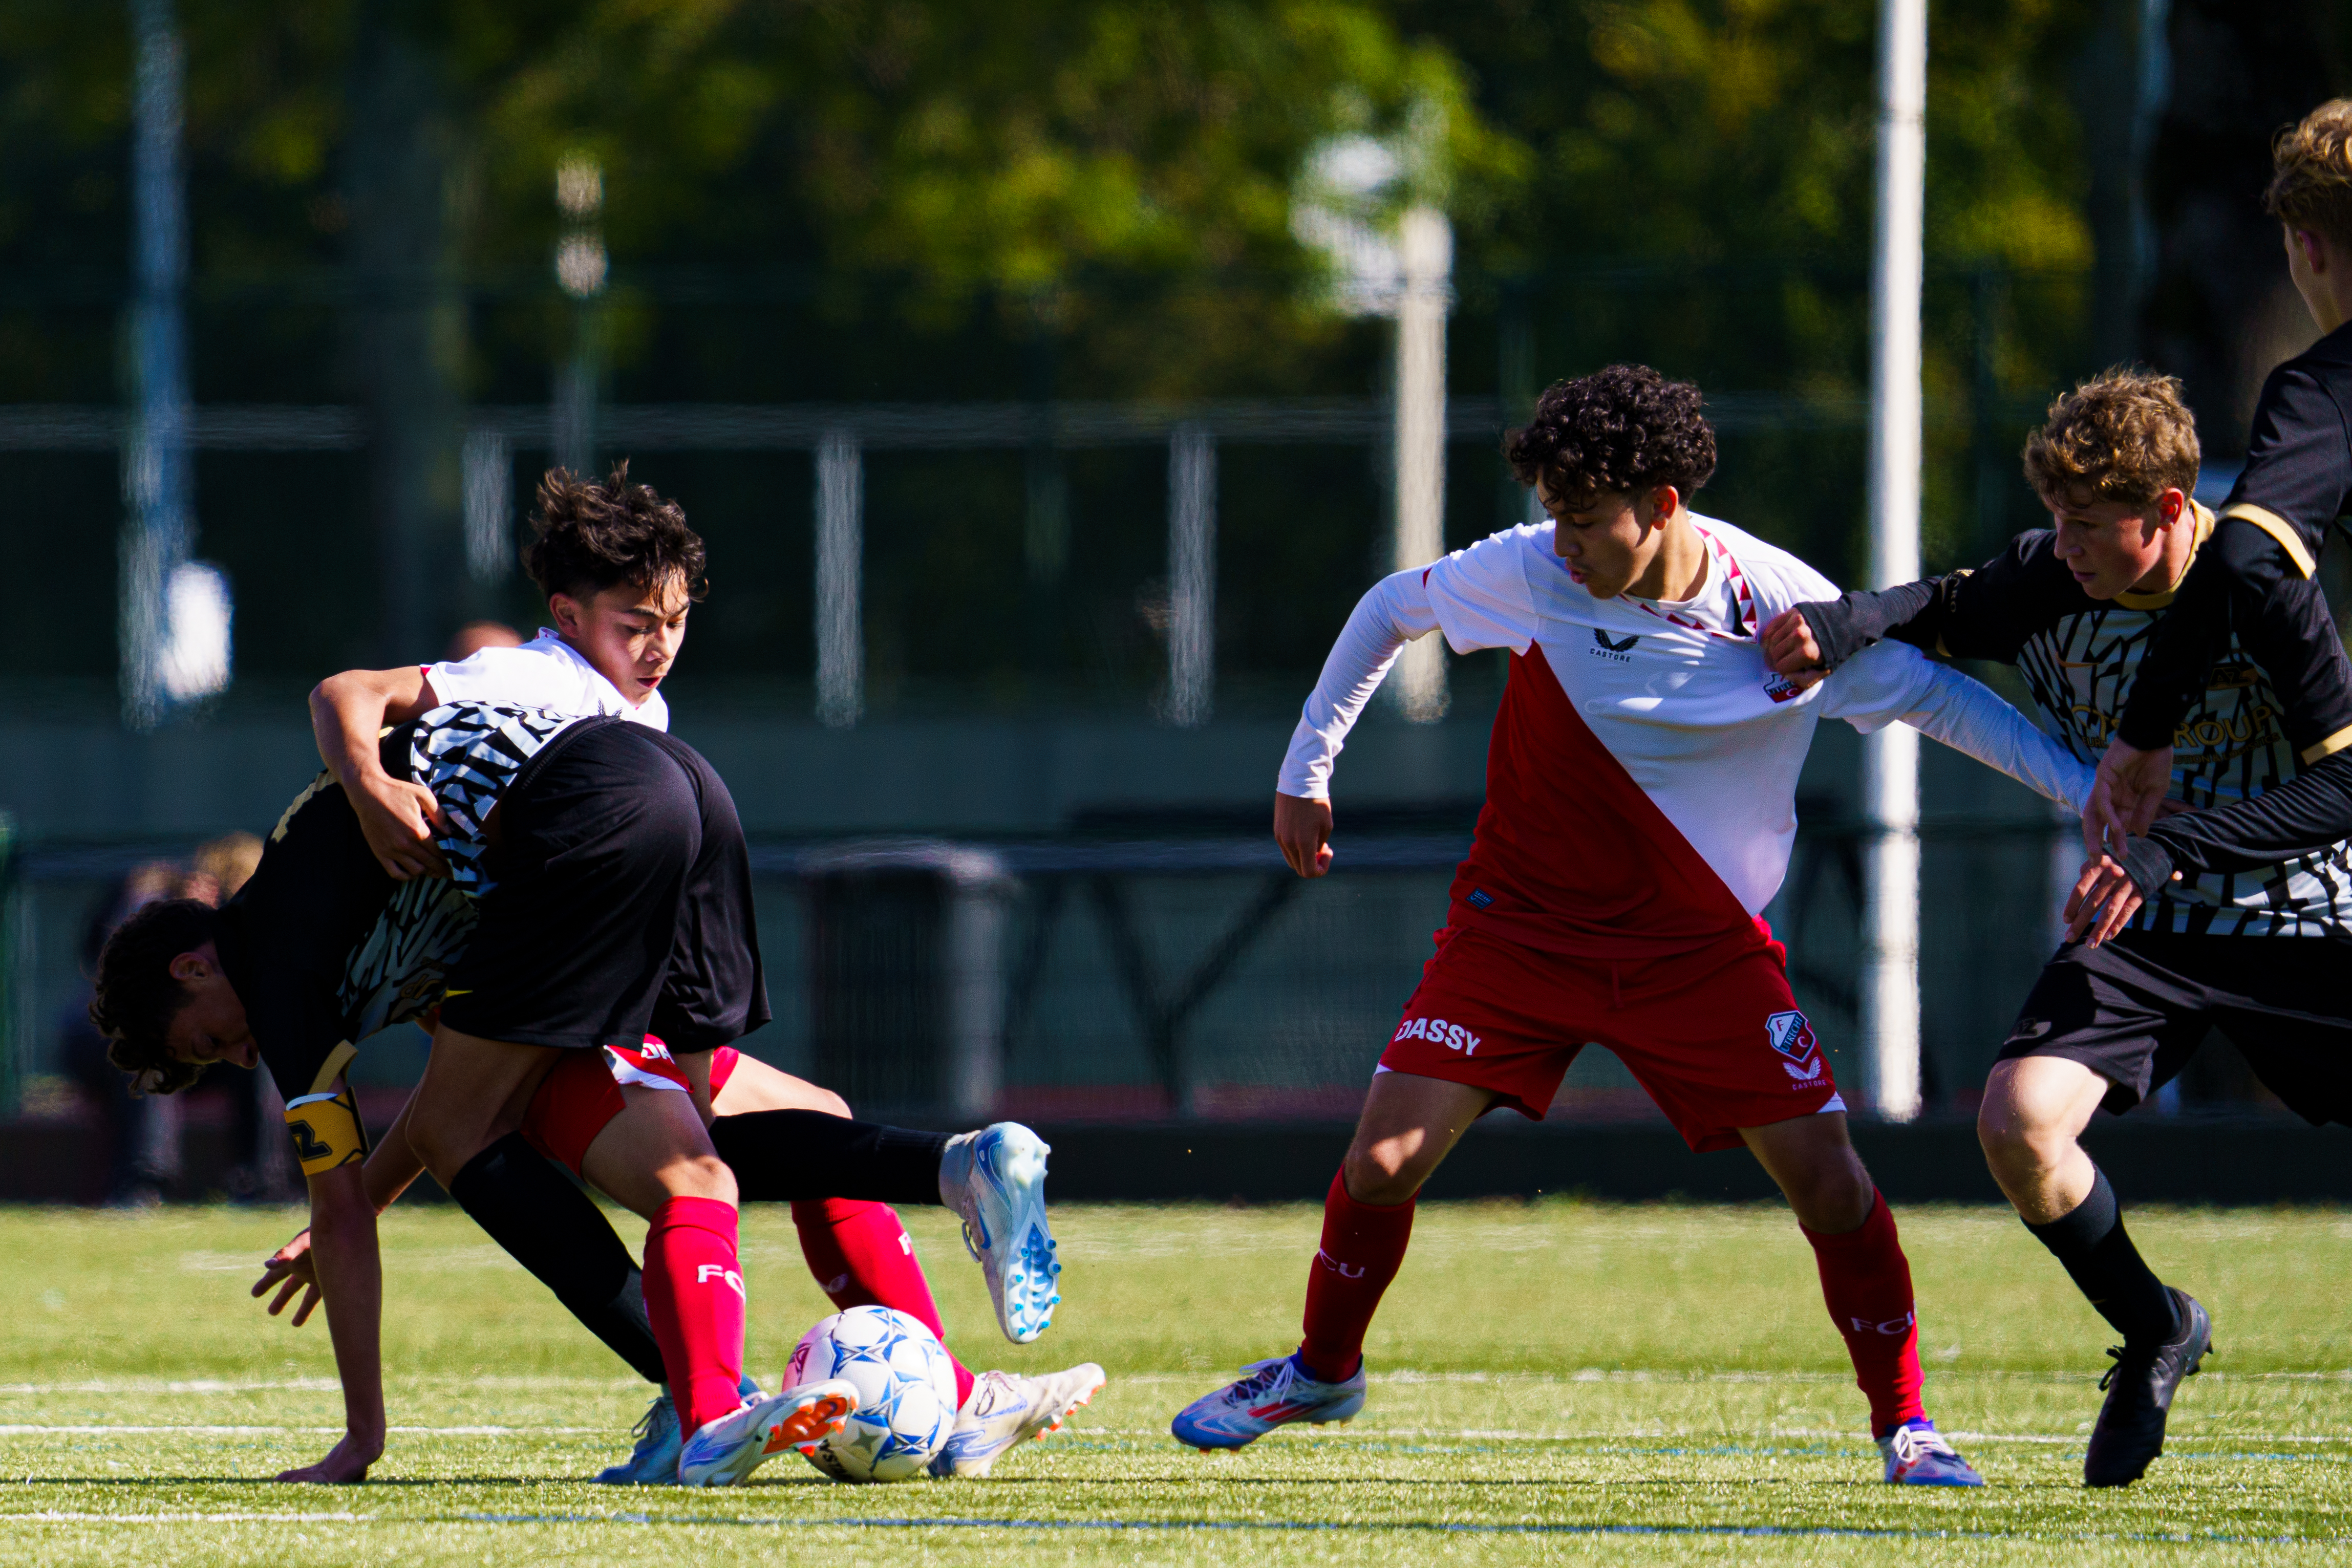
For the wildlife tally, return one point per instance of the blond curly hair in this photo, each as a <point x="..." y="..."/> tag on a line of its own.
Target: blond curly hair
<point x="2123" y="435"/>
<point x="2311" y="172"/>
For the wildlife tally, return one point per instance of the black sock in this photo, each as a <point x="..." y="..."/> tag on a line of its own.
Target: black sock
<point x="556" y="1231"/>
<point x="2093" y="1244"/>
<point x="781" y="1156"/>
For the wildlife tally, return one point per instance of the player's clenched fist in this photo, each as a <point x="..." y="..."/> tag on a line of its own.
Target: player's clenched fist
<point x="1790" y="649"/>
<point x="1303" y="828"/>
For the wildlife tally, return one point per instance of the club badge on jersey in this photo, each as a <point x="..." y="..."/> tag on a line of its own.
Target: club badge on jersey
<point x="1792" y="1034"/>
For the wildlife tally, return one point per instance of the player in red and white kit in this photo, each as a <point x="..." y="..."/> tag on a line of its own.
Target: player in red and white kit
<point x="1640" y="811"/>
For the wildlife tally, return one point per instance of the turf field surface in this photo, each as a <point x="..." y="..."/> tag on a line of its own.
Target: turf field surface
<point x="1552" y="1382"/>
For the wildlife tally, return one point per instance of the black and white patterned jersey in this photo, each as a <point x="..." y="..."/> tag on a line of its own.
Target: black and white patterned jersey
<point x="467" y="754"/>
<point x="322" y="948"/>
<point x="2277" y="699"/>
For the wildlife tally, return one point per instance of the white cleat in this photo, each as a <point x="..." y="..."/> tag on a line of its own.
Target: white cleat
<point x="1918" y="1456"/>
<point x="726" y="1450"/>
<point x="995" y="1178"/>
<point x="1006" y="1410"/>
<point x="1274" y="1394"/>
<point x="654" y="1462"/>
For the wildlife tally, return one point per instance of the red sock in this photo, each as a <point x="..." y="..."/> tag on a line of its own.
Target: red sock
<point x="863" y="1256"/>
<point x="694" y="1300"/>
<point x="1363" y="1246"/>
<point x="1867" y="1283"/>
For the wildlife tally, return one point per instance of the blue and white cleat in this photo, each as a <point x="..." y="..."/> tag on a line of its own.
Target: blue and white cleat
<point x="654" y="1461"/>
<point x="995" y="1178"/>
<point x="1918" y="1456"/>
<point x="1274" y="1394"/>
<point x="730" y="1447"/>
<point x="1007" y="1409"/>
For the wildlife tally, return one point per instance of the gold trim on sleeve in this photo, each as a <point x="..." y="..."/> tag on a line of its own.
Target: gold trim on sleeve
<point x="2279" y="528"/>
<point x="2329" y="746"/>
<point x="337" y="1060"/>
<point x="312" y="788"/>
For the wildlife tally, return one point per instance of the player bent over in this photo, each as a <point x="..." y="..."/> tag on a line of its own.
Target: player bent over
<point x="779" y="1152"/>
<point x="1640" y="811"/>
<point x="601" y="889"/>
<point x="621" y="570"/>
<point x="2250" y="939"/>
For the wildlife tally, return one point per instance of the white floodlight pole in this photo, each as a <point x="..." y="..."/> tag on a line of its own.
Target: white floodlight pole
<point x="1890" y="773"/>
<point x="840" y="579"/>
<point x="1191" y="575"/>
<point x="1425" y="255"/>
<point x="157" y="484"/>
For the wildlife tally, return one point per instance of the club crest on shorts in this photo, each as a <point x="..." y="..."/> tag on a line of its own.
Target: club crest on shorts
<point x="1791" y="1034"/>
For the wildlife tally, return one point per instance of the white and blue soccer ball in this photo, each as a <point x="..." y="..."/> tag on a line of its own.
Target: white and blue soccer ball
<point x="906" y="1393"/>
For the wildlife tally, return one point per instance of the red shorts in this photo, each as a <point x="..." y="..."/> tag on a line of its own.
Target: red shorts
<point x="583" y="1093"/>
<point x="1719" y="1044"/>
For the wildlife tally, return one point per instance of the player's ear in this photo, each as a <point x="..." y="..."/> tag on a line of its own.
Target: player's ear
<point x="1664" y="501"/>
<point x="566" y="611"/>
<point x="2170" y="505"/>
<point x="189" y="968"/>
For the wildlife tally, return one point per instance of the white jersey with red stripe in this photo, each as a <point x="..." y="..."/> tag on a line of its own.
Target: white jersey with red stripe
<point x="1641" y="778"/>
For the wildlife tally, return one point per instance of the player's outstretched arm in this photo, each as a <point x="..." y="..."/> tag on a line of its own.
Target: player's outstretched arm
<point x="397" y="817"/>
<point x="350" y="1280"/>
<point x="1895" y="681"/>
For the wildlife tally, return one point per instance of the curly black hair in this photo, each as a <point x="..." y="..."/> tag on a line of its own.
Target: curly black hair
<point x="135" y="998"/>
<point x="1622" y="429"/>
<point x="589" y="535"/>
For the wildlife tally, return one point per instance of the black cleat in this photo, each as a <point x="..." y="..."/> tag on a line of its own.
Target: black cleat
<point x="2140" y="1386"/>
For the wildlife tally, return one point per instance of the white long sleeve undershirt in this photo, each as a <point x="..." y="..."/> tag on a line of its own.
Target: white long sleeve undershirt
<point x="1962" y="713"/>
<point x="1395" y="612"/>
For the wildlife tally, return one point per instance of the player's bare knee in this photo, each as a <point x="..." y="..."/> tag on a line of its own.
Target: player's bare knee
<point x="2016" y="1140"/>
<point x="1832" y="1193"/>
<point x="700" y="1176"/>
<point x="831" y="1104"/>
<point x="1382" y="1174"/>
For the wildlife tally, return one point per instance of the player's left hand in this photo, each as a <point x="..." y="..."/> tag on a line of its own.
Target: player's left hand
<point x="289" y="1269"/>
<point x="346" y="1464"/>
<point x="2129" y="786"/>
<point x="2104" y="900"/>
<point x="1790" y="650"/>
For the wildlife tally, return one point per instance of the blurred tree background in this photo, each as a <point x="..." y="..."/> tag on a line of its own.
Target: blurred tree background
<point x="936" y="202"/>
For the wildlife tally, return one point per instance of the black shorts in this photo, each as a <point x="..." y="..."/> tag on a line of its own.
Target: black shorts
<point x="2136" y="1008"/>
<point x="621" y="905"/>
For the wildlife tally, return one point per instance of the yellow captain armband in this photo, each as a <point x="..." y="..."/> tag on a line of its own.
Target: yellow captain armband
<point x="327" y="1129"/>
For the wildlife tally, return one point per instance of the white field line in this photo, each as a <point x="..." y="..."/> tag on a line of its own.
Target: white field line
<point x="1156" y="1526"/>
<point x="157" y="1386"/>
<point x="29" y="1430"/>
<point x="63" y="1516"/>
<point x="1694" y="1440"/>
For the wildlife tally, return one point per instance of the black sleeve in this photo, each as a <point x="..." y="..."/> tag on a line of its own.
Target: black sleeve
<point x="1987" y="613"/>
<point x="2299" y="457"/>
<point x="2298" y="475"/>
<point x="315" y="896"/>
<point x="2243" y="579"/>
<point x="2306" y="814"/>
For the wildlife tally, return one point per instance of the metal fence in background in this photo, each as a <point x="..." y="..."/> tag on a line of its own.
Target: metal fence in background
<point x="1132" y="979"/>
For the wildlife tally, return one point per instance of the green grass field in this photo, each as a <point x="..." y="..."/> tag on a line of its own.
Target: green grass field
<point x="1554" y="1383"/>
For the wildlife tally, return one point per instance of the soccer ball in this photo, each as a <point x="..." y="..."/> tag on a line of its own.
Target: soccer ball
<point x="906" y="1393"/>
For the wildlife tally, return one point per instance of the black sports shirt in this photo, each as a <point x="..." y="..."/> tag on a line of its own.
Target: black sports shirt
<point x="2278" y="700"/>
<point x="321" y="945"/>
<point x="2297" y="483"/>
